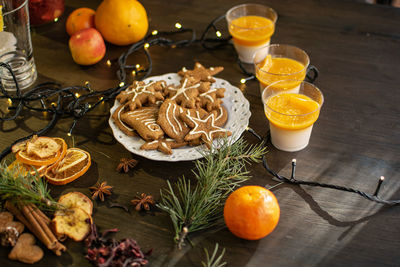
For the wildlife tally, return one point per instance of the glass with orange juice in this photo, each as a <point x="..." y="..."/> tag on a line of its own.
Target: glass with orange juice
<point x="251" y="27"/>
<point x="283" y="62"/>
<point x="291" y="114"/>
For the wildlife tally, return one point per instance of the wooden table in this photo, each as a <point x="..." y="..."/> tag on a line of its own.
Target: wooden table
<point x="356" y="139"/>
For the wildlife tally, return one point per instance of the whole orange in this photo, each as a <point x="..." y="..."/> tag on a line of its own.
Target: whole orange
<point x="79" y="19"/>
<point x="251" y="212"/>
<point x="121" y="22"/>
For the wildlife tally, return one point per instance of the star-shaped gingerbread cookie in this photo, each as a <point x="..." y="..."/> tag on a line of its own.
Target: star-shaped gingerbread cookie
<point x="203" y="128"/>
<point x="200" y="73"/>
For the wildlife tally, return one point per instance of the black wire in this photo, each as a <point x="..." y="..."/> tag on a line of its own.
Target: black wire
<point x="295" y="181"/>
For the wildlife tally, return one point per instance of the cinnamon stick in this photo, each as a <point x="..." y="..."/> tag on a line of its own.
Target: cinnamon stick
<point x="38" y="231"/>
<point x="43" y="226"/>
<point x="43" y="216"/>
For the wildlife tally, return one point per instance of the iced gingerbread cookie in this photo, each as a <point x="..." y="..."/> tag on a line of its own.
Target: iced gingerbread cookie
<point x="143" y="120"/>
<point x="186" y="95"/>
<point x="211" y="99"/>
<point x="120" y="124"/>
<point x="140" y="93"/>
<point x="220" y="115"/>
<point x="163" y="145"/>
<point x="203" y="128"/>
<point x="170" y="121"/>
<point x="200" y="73"/>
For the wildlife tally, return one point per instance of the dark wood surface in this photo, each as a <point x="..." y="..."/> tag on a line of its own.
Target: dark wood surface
<point x="355" y="46"/>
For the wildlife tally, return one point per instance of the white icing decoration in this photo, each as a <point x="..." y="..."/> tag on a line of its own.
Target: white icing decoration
<point x="183" y="89"/>
<point x="208" y="135"/>
<point x="220" y="114"/>
<point x="123" y="124"/>
<point x="142" y="115"/>
<point x="173" y="115"/>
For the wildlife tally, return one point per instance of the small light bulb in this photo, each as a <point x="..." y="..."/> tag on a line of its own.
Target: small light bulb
<point x="218" y="33"/>
<point x="108" y="62"/>
<point x="133" y="73"/>
<point x="56" y="19"/>
<point x="178" y="25"/>
<point x="87" y="84"/>
<point x="155" y="32"/>
<point x="146" y="45"/>
<point x="53" y="104"/>
<point x="137" y="66"/>
<point x="121" y="84"/>
<point x="77" y="95"/>
<point x="9" y="101"/>
<point x="243" y="80"/>
<point x="101" y="98"/>
<point x="69" y="134"/>
<point x="89" y="105"/>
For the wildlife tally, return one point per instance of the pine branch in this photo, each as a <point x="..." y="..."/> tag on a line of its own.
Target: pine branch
<point x="214" y="261"/>
<point x="24" y="189"/>
<point x="198" y="207"/>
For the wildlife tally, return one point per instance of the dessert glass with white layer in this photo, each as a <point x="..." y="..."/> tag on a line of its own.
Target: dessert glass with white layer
<point x="251" y="27"/>
<point x="282" y="62"/>
<point x="291" y="115"/>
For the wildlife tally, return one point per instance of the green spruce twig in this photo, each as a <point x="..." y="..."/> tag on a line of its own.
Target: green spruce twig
<point x="197" y="207"/>
<point x="214" y="260"/>
<point x="24" y="189"/>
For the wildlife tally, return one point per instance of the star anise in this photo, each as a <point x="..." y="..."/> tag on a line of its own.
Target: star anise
<point x="143" y="202"/>
<point x="125" y="164"/>
<point x="100" y="190"/>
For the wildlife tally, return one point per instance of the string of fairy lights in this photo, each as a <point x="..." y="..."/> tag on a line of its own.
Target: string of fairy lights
<point x="71" y="102"/>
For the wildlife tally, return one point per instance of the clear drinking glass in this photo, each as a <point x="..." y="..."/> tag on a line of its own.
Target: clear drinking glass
<point x="292" y="115"/>
<point x="16" y="45"/>
<point x="251" y="27"/>
<point x="281" y="62"/>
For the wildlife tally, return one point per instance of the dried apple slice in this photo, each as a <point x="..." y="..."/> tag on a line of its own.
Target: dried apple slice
<point x="76" y="200"/>
<point x="74" y="223"/>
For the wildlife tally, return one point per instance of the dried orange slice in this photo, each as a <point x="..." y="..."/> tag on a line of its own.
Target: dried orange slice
<point x="1" y="19"/>
<point x="63" y="146"/>
<point x="38" y="151"/>
<point x="22" y="169"/>
<point x="75" y="163"/>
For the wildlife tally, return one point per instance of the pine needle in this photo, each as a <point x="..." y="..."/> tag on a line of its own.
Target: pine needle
<point x="214" y="260"/>
<point x="24" y="189"/>
<point x="194" y="208"/>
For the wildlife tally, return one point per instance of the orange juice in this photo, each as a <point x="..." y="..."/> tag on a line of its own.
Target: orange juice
<point x="251" y="30"/>
<point x="273" y="69"/>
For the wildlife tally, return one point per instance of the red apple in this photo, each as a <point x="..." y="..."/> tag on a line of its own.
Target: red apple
<point x="87" y="46"/>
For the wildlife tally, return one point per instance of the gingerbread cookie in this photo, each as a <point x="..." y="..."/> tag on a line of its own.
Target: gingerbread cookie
<point x="186" y="95"/>
<point x="144" y="122"/>
<point x="221" y="116"/>
<point x="140" y="93"/>
<point x="211" y="99"/>
<point x="163" y="145"/>
<point x="120" y="124"/>
<point x="170" y="121"/>
<point x="203" y="128"/>
<point x="200" y="73"/>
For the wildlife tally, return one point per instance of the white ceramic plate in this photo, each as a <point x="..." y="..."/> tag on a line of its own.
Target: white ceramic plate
<point x="238" y="119"/>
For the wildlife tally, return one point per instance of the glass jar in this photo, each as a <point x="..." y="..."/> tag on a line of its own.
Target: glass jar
<point x="45" y="11"/>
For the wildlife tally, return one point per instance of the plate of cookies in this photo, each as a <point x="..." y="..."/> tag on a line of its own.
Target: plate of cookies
<point x="177" y="116"/>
